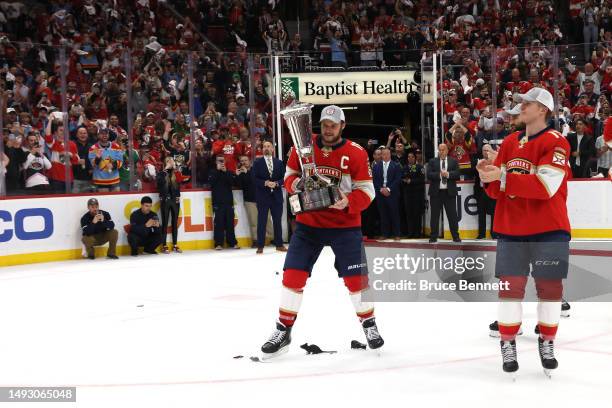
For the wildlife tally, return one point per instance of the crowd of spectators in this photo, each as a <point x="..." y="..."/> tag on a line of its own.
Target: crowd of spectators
<point x="160" y="38"/>
<point x="491" y="50"/>
<point x="535" y="44"/>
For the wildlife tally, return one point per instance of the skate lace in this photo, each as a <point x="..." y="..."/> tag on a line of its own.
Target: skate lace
<point x="547" y="350"/>
<point x="276" y="337"/>
<point x="508" y="352"/>
<point x="371" y="333"/>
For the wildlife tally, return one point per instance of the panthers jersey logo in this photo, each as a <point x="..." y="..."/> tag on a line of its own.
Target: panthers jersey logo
<point x="37" y="165"/>
<point x="459" y="151"/>
<point x="179" y="159"/>
<point x="334" y="174"/>
<point x="520" y="166"/>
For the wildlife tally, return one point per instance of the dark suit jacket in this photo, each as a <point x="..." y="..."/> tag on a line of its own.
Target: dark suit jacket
<point x="587" y="152"/>
<point x="394" y="178"/>
<point x="433" y="175"/>
<point x="261" y="174"/>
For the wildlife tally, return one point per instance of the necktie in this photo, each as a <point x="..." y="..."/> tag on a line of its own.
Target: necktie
<point x="269" y="163"/>
<point x="444" y="168"/>
<point x="385" y="167"/>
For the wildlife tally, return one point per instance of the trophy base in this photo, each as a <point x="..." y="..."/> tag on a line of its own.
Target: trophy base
<point x="318" y="199"/>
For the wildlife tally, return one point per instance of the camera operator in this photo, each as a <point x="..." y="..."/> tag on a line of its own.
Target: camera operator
<point x="144" y="228"/>
<point x="98" y="229"/>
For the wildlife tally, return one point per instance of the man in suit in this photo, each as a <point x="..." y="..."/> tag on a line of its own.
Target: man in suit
<point x="413" y="180"/>
<point x="370" y="219"/>
<point x="244" y="175"/>
<point x="269" y="173"/>
<point x="443" y="173"/>
<point x="583" y="150"/>
<point x="387" y="175"/>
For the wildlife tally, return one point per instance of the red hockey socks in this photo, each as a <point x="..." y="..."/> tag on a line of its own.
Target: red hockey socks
<point x="550" y="292"/>
<point x="357" y="285"/>
<point x="294" y="281"/>
<point x="510" y="309"/>
<point x="509" y="317"/>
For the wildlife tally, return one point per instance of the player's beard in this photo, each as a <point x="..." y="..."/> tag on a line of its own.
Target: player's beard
<point x="334" y="141"/>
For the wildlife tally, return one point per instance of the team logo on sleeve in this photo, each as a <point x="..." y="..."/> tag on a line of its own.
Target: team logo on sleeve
<point x="558" y="158"/>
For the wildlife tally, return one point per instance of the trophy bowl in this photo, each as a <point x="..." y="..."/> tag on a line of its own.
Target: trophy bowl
<point x="315" y="191"/>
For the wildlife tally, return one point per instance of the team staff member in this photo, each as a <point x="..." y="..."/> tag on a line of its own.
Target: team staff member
<point x="443" y="173"/>
<point x="387" y="176"/>
<point x="268" y="173"/>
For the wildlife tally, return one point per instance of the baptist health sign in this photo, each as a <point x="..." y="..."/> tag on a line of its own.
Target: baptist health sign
<point x="340" y="88"/>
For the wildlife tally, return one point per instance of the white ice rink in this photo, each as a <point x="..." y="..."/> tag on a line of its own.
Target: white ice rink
<point x="161" y="331"/>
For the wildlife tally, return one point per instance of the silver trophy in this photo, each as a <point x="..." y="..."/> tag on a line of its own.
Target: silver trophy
<point x="315" y="191"/>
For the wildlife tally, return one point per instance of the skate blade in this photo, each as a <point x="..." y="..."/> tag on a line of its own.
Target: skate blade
<point x="270" y="356"/>
<point x="548" y="373"/>
<point x="565" y="313"/>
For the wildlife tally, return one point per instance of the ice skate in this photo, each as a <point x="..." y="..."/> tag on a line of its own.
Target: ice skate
<point x="547" y="356"/>
<point x="278" y="343"/>
<point x="375" y="341"/>
<point x="510" y="363"/>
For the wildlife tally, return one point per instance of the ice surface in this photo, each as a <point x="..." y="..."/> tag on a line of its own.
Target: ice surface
<point x="161" y="331"/>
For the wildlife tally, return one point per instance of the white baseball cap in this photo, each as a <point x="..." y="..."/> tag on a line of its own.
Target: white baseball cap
<point x="537" y="95"/>
<point x="333" y="113"/>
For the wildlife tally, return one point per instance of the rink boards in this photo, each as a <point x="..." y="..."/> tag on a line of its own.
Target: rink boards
<point x="46" y="228"/>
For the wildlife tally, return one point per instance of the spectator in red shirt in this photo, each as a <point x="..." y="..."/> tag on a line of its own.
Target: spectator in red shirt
<point x="54" y="138"/>
<point x="517" y="85"/>
<point x="583" y="107"/>
<point x="226" y="147"/>
<point x="461" y="148"/>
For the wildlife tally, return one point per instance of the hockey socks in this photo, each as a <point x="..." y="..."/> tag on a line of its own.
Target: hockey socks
<point x="550" y="292"/>
<point x="294" y="281"/>
<point x="509" y="316"/>
<point x="357" y="286"/>
<point x="510" y="309"/>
